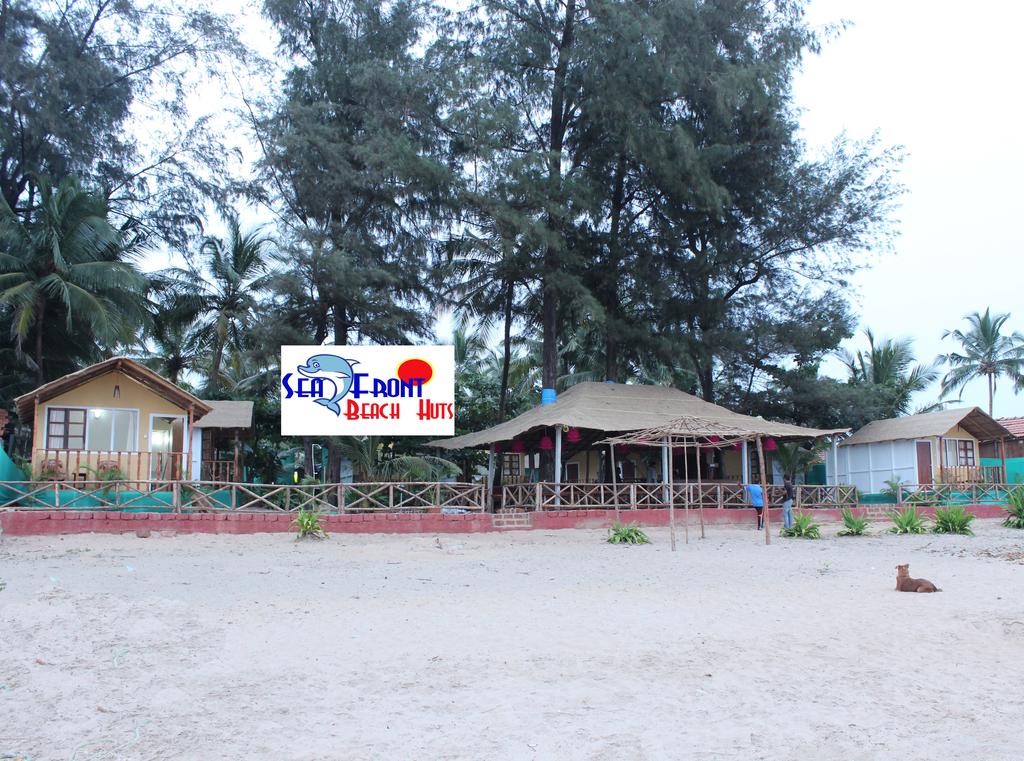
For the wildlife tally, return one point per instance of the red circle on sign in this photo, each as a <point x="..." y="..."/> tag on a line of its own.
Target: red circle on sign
<point x="413" y="369"/>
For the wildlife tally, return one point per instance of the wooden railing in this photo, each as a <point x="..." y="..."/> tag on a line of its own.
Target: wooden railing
<point x="222" y="471"/>
<point x="209" y="496"/>
<point x="100" y="465"/>
<point x="576" y="496"/>
<point x="928" y="495"/>
<point x="971" y="474"/>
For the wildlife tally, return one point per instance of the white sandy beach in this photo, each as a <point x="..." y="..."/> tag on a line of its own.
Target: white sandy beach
<point x="513" y="646"/>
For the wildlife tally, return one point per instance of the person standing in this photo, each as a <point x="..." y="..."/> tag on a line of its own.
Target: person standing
<point x="756" y="497"/>
<point x="787" y="502"/>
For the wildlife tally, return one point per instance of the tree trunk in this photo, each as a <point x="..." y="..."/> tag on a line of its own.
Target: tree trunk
<point x="506" y="362"/>
<point x="40" y="314"/>
<point x="611" y="345"/>
<point x="213" y="382"/>
<point x="340" y="326"/>
<point x="556" y="144"/>
<point x="333" y="474"/>
<point x="707" y="384"/>
<point x="991" y="393"/>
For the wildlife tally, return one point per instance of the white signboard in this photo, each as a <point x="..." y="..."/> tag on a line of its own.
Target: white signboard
<point x="367" y="390"/>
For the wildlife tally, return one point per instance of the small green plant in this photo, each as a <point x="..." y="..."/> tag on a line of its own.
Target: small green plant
<point x="892" y="487"/>
<point x="907" y="521"/>
<point x="853" y="525"/>
<point x="307" y="523"/>
<point x="803" y="527"/>
<point x="953" y="520"/>
<point x="631" y="534"/>
<point x="1015" y="508"/>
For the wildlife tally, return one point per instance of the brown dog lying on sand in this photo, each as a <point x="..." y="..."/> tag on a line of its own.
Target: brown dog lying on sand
<point x="906" y="584"/>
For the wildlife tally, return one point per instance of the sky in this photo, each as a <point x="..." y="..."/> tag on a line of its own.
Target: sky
<point x="942" y="80"/>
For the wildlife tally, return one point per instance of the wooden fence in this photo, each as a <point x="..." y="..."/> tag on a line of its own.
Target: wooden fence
<point x="928" y="495"/>
<point x="206" y="496"/>
<point x="87" y="465"/>
<point x="575" y="496"/>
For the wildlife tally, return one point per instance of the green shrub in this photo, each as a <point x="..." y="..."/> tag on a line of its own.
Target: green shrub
<point x="1015" y="508"/>
<point x="892" y="487"/>
<point x="803" y="527"/>
<point x="907" y="521"/>
<point x="953" y="520"/>
<point x="307" y="523"/>
<point x="853" y="525"/>
<point x="631" y="534"/>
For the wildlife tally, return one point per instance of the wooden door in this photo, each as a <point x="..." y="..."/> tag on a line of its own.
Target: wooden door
<point x="924" y="462"/>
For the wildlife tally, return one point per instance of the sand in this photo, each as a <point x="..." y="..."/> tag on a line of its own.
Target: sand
<point x="533" y="645"/>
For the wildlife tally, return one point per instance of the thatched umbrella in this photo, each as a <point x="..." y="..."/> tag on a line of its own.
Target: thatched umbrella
<point x="686" y="432"/>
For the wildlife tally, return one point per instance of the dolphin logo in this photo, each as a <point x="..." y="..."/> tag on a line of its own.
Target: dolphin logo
<point x="335" y="369"/>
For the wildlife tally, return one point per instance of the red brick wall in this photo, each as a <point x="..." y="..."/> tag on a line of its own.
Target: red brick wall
<point x="33" y="522"/>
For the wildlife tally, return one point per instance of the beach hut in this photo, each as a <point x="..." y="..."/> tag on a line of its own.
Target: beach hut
<point x="120" y="417"/>
<point x="936" y="447"/>
<point x="574" y="426"/>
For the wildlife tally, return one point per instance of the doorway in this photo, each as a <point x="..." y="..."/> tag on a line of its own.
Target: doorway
<point x="924" y="462"/>
<point x="166" y="447"/>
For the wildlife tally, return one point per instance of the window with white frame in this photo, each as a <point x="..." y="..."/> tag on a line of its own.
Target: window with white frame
<point x="97" y="429"/>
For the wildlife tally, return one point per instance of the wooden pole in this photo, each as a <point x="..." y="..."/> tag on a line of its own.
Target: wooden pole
<point x="671" y="499"/>
<point x="686" y="499"/>
<point x="700" y="494"/>
<point x="558" y="466"/>
<point x="490" y="473"/>
<point x="186" y="467"/>
<point x="764" y="492"/>
<point x="1002" y="456"/>
<point x="615" y="483"/>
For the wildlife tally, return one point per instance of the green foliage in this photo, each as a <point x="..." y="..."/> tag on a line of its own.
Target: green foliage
<point x="953" y="520"/>
<point x="1015" y="509"/>
<point x="803" y="527"/>
<point x="66" y="269"/>
<point x="75" y="76"/>
<point x="889" y="364"/>
<point x="907" y="521"/>
<point x="307" y="524"/>
<point x="797" y="459"/>
<point x="627" y="534"/>
<point x="892" y="487"/>
<point x="377" y="459"/>
<point x="218" y="300"/>
<point x="853" y="525"/>
<point x="987" y="353"/>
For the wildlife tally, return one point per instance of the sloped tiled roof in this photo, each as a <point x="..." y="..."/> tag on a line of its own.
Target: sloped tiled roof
<point x="1015" y="425"/>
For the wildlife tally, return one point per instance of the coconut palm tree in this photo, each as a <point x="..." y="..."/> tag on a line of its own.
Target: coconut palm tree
<point x="988" y="353"/>
<point x="890" y="364"/>
<point x="222" y="295"/>
<point x="64" y="261"/>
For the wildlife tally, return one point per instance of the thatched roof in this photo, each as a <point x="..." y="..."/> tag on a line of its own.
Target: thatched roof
<point x="972" y="420"/>
<point x="611" y="408"/>
<point x="227" y="414"/>
<point x="132" y="369"/>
